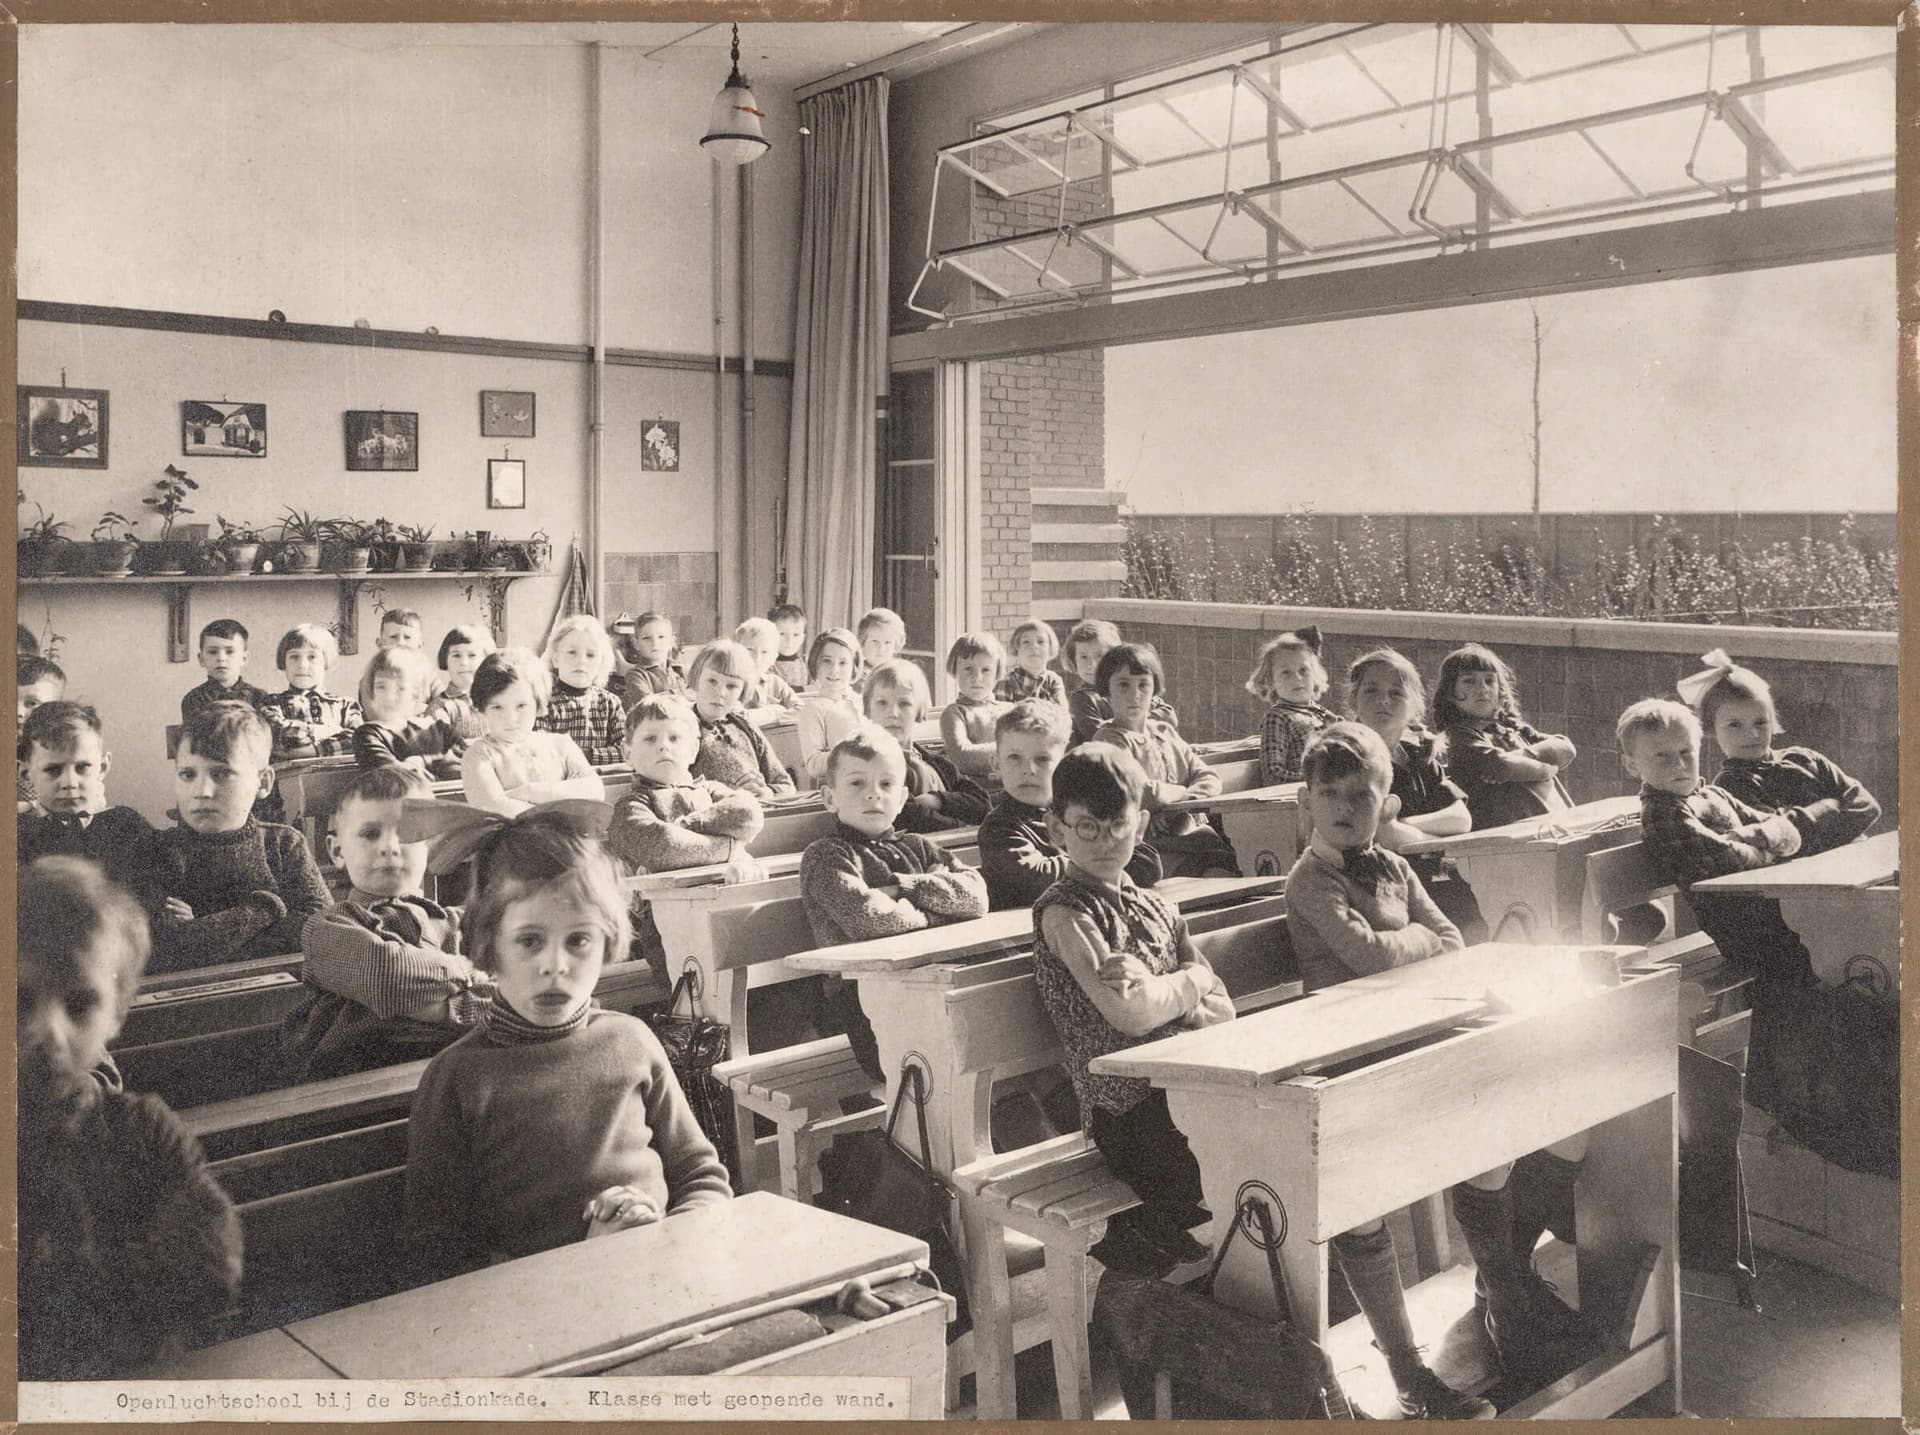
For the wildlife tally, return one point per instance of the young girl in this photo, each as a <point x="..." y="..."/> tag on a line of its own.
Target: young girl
<point x="938" y="797"/>
<point x="1385" y="693"/>
<point x="975" y="662"/>
<point x="461" y="652"/>
<point x="393" y="701"/>
<point x="1289" y="676"/>
<point x="580" y="658"/>
<point x="1736" y="706"/>
<point x="307" y="720"/>
<point x="512" y="766"/>
<point x="732" y="752"/>
<point x="552" y="1121"/>
<point x="1087" y="644"/>
<point x="1508" y="770"/>
<point x="768" y="697"/>
<point x="1033" y="647"/>
<point x="829" y="713"/>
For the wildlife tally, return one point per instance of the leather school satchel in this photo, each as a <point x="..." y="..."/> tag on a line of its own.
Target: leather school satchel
<point x="695" y="1044"/>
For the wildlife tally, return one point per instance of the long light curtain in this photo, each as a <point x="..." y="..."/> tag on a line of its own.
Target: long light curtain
<point x="839" y="353"/>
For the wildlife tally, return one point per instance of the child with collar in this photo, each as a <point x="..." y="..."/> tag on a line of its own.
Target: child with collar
<point x="1288" y="676"/>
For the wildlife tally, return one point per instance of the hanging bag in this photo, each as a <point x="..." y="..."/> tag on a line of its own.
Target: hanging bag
<point x="695" y="1044"/>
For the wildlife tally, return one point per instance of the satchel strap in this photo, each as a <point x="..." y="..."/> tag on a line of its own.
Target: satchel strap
<point x="689" y="978"/>
<point x="1254" y="1209"/>
<point x="912" y="1088"/>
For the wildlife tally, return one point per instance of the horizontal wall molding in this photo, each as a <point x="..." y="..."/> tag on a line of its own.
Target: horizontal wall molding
<point x="228" y="326"/>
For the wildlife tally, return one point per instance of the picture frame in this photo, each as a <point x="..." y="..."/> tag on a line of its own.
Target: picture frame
<point x="62" y="428"/>
<point x="210" y="429"/>
<point x="660" y="446"/>
<point x="382" y="441"/>
<point x="506" y="483"/>
<point x="506" y="413"/>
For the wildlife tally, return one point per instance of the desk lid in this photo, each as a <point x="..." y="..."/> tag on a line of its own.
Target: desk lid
<point x="1569" y="825"/>
<point x="1866" y="863"/>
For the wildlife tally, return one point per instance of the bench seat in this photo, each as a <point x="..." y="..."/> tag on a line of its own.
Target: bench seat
<point x="799" y="1089"/>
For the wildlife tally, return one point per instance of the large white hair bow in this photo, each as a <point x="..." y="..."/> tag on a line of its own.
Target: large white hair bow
<point x="1695" y="686"/>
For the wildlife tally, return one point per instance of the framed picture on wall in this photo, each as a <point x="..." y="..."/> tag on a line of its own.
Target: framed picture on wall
<point x="222" y="430"/>
<point x="506" y="483"/>
<point x="62" y="428"/>
<point x="506" y="413"/>
<point x="381" y="441"/>
<point x="660" y="446"/>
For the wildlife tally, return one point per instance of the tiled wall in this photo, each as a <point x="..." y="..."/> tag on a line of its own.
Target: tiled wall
<point x="684" y="586"/>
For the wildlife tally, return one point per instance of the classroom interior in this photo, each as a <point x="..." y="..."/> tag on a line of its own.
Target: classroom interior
<point x="921" y="350"/>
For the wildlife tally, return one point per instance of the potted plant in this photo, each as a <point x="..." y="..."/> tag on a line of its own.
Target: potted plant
<point x="384" y="540"/>
<point x="416" y="547"/>
<point x="239" y="543"/>
<point x="42" y="544"/>
<point x="479" y="549"/>
<point x="539" y="550"/>
<point x="300" y="534"/>
<point x="169" y="500"/>
<point x="351" y="542"/>
<point x="113" y="545"/>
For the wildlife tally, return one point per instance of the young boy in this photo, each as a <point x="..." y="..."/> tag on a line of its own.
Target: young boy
<point x="790" y="620"/>
<point x="393" y="702"/>
<point x="1132" y="680"/>
<point x="867" y="880"/>
<point x="1354" y="908"/>
<point x="649" y="656"/>
<point x="64" y="762"/>
<point x="385" y="979"/>
<point x="38" y="681"/>
<point x="1018" y="855"/>
<point x="938" y="797"/>
<point x="223" y="655"/>
<point x="126" y="1242"/>
<point x="1116" y="968"/>
<point x="669" y="819"/>
<point x="234" y="887"/>
<point x="882" y="633"/>
<point x="401" y="628"/>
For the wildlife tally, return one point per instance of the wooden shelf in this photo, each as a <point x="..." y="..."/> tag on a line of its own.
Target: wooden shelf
<point x="180" y="588"/>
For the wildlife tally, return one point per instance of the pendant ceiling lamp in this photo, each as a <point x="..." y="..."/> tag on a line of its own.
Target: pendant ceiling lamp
<point x="733" y="129"/>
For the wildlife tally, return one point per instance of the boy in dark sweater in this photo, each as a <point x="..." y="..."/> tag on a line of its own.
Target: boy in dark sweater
<point x="234" y="887"/>
<point x="64" y="763"/>
<point x="939" y="798"/>
<point x="868" y="880"/>
<point x="223" y="655"/>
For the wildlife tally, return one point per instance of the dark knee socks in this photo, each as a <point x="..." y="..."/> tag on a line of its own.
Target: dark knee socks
<point x="1372" y="1270"/>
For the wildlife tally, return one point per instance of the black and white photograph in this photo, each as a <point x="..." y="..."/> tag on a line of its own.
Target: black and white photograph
<point x="1197" y="719"/>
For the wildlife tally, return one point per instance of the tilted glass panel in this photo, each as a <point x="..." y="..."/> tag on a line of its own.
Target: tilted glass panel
<point x="1543" y="49"/>
<point x="1555" y="172"/>
<point x="1829" y="123"/>
<point x="1148" y="246"/>
<point x="1323" y="215"/>
<point x="1238" y="239"/>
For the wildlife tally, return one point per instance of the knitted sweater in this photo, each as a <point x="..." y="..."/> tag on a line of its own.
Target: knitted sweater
<point x="375" y="744"/>
<point x="1710" y="833"/>
<point x="592" y="717"/>
<point x="733" y="754"/>
<point x="821" y="723"/>
<point x="843" y="877"/>
<point x="502" y="775"/>
<point x="509" y="1140"/>
<point x="126" y="1243"/>
<point x="966" y="729"/>
<point x="793" y="667"/>
<point x="291" y="709"/>
<point x="211" y="692"/>
<point x="1354" y="913"/>
<point x="1091" y="711"/>
<point x="938" y="797"/>
<point x="251" y="891"/>
<point x="1018" y="685"/>
<point x="116" y="838"/>
<point x="661" y="828"/>
<point x="638" y="682"/>
<point x="455" y="713"/>
<point x="1829" y="807"/>
<point x="1174" y="771"/>
<point x="1284" y="734"/>
<point x="1474" y="754"/>
<point x="1019" y="860"/>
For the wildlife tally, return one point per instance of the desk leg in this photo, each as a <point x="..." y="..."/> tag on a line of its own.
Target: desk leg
<point x="1521" y="884"/>
<point x="1851" y="936"/>
<point x="1265" y="839"/>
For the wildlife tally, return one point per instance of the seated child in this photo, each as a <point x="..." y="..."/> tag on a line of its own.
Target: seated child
<point x="671" y="819"/>
<point x="234" y="887"/>
<point x="26" y="643"/>
<point x="974" y="662"/>
<point x="1018" y="856"/>
<point x="1116" y="968"/>
<point x="882" y="634"/>
<point x="552" y="1121"/>
<point x="394" y="689"/>
<point x="580" y="659"/>
<point x="829" y="711"/>
<point x="790" y="621"/>
<point x="401" y="628"/>
<point x="1289" y="677"/>
<point x="732" y="752"/>
<point x="384" y="976"/>
<point x="868" y="880"/>
<point x="768" y="697"/>
<point x="38" y="680"/>
<point x="938" y="797"/>
<point x="1087" y="644"/>
<point x="647" y="654"/>
<point x="1508" y="770"/>
<point x="127" y="1245"/>
<point x="452" y="706"/>
<point x="513" y="766"/>
<point x="307" y="720"/>
<point x="1033" y="647"/>
<point x="1131" y="678"/>
<point x="1736" y="705"/>
<point x="64" y="761"/>
<point x="1384" y="692"/>
<point x="223" y="655"/>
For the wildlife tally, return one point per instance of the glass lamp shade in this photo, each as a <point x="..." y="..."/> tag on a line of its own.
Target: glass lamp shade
<point x="733" y="129"/>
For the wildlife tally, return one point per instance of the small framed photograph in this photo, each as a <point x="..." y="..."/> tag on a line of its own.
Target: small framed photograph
<point x="62" y="428"/>
<point x="506" y="413"/>
<point x="380" y="441"/>
<point x="660" y="446"/>
<point x="506" y="483"/>
<point x="222" y="430"/>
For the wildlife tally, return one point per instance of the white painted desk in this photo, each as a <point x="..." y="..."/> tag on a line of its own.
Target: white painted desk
<point x="1262" y="823"/>
<point x="1845" y="905"/>
<point x="1536" y="871"/>
<point x="1367" y="1096"/>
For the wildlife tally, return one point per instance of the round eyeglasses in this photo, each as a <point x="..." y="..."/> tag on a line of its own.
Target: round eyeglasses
<point x="1092" y="829"/>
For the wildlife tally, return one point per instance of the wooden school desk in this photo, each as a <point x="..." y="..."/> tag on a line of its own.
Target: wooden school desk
<point x="1262" y="823"/>
<point x="1535" y="871"/>
<point x="1845" y="905"/>
<point x="591" y="1306"/>
<point x="1363" y="1097"/>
